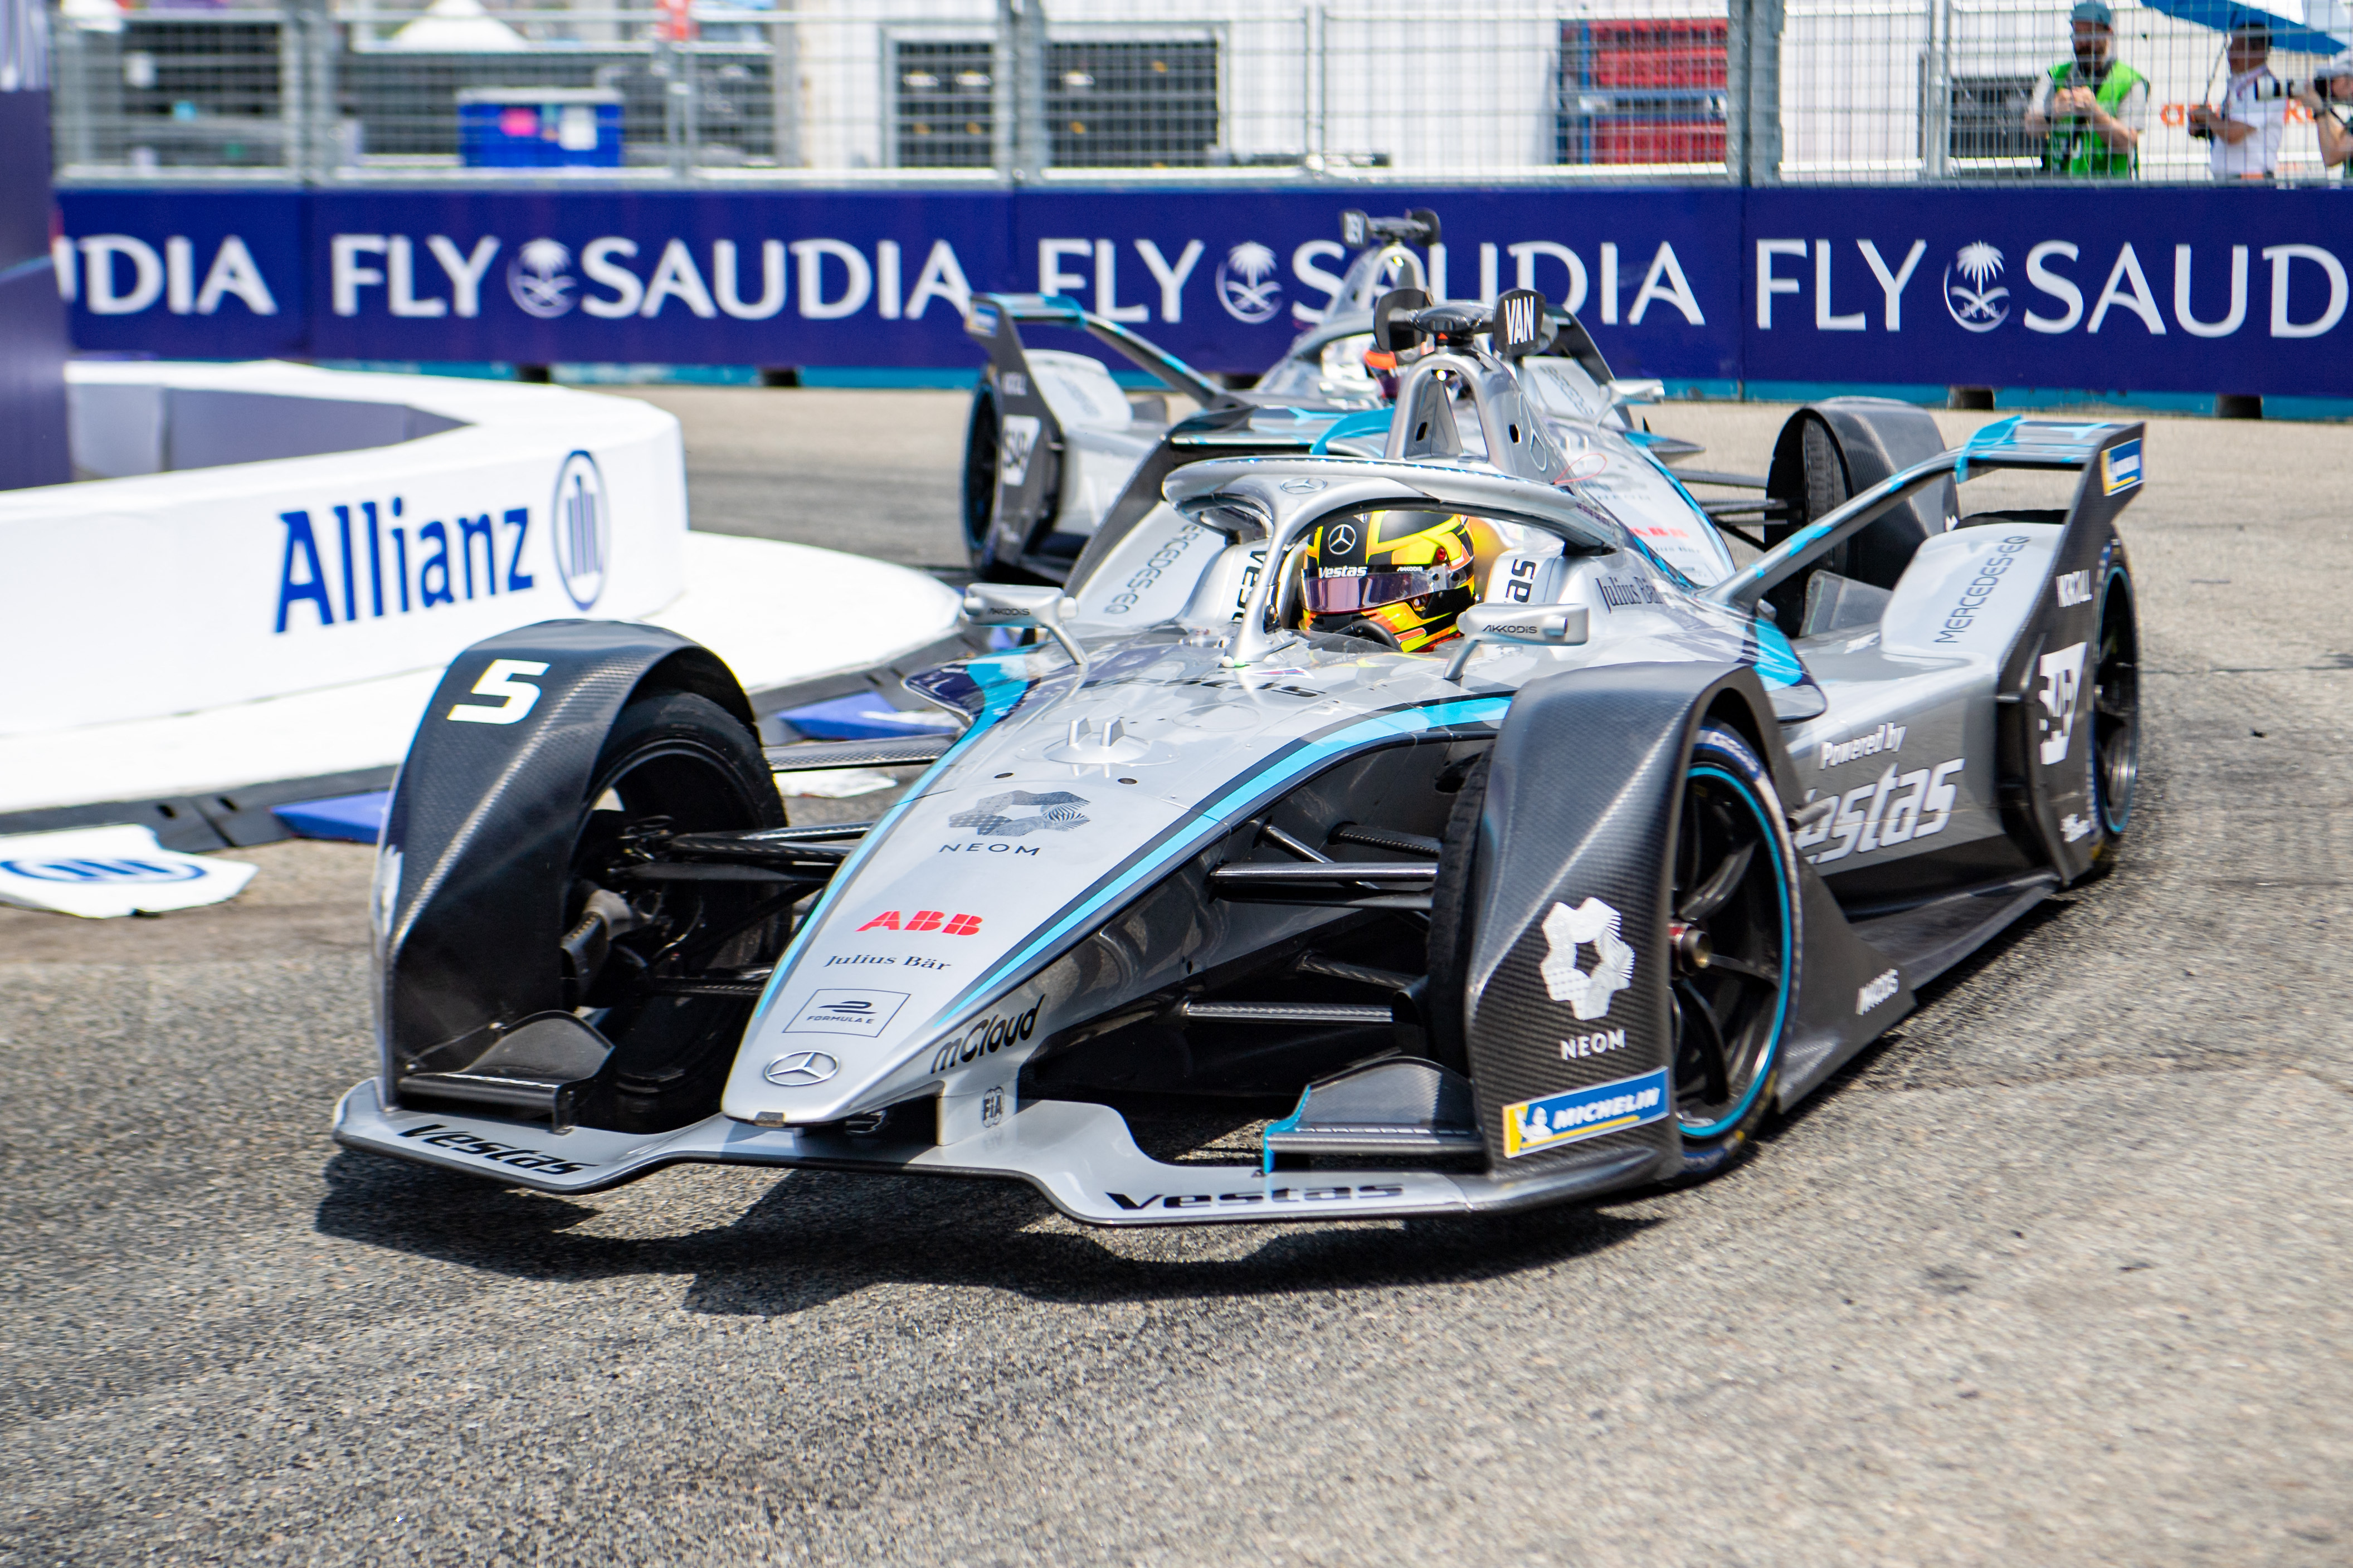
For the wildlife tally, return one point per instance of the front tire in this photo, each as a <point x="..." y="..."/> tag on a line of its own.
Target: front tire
<point x="1734" y="944"/>
<point x="672" y="762"/>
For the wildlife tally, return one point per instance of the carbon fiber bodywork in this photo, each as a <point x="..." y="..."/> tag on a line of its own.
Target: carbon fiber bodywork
<point x="1193" y="860"/>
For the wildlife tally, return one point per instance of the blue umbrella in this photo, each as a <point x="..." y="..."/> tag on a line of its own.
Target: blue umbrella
<point x="2224" y="14"/>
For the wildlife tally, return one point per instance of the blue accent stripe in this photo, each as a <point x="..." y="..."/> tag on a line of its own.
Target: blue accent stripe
<point x="1363" y="422"/>
<point x="1001" y="694"/>
<point x="1777" y="661"/>
<point x="1243" y="795"/>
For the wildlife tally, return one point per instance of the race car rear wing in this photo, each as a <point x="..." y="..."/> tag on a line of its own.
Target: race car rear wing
<point x="994" y="319"/>
<point x="2046" y="687"/>
<point x="2107" y="454"/>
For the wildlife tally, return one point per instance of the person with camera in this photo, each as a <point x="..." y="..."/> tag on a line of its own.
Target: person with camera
<point x="2242" y="137"/>
<point x="2331" y="85"/>
<point x="2090" y="109"/>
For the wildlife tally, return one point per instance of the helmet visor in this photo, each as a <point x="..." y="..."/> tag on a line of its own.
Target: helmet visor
<point x="1332" y="594"/>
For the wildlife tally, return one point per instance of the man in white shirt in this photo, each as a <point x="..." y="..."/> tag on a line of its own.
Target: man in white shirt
<point x="2242" y="137"/>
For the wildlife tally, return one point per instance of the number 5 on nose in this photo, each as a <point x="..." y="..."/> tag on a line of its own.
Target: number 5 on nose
<point x="500" y="680"/>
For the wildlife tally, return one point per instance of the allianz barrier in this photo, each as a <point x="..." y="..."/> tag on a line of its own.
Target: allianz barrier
<point x="2164" y="289"/>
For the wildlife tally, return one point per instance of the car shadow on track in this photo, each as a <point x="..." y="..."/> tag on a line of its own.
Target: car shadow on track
<point x="815" y="1236"/>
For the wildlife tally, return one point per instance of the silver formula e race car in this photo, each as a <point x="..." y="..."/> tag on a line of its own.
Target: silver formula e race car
<point x="1207" y="914"/>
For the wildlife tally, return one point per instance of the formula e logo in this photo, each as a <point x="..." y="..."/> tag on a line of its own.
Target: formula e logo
<point x="1058" y="813"/>
<point x="107" y="871"/>
<point x="839" y="1011"/>
<point x="539" y="279"/>
<point x="1974" y="305"/>
<point x="2072" y="588"/>
<point x="1247" y="286"/>
<point x="2063" y="681"/>
<point x="1877" y="992"/>
<point x="1017" y="439"/>
<point x="584" y="529"/>
<point x="1587" y="991"/>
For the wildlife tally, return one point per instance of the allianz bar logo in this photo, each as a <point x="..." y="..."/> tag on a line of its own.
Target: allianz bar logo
<point x="367" y="560"/>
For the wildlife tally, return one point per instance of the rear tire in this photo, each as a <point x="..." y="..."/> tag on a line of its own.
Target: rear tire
<point x="981" y="454"/>
<point x="681" y="764"/>
<point x="1733" y="876"/>
<point x="2113" y="756"/>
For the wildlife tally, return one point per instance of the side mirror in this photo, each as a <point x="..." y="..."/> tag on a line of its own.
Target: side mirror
<point x="1538" y="625"/>
<point x="1639" y="391"/>
<point x="1041" y="606"/>
<point x="1015" y="604"/>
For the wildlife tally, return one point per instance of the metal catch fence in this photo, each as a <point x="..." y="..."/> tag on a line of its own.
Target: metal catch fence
<point x="992" y="90"/>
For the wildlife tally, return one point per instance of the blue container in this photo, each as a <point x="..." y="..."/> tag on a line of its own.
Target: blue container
<point x="540" y="128"/>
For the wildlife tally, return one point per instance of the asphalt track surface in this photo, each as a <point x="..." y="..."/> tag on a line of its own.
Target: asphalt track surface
<point x="2055" y="1275"/>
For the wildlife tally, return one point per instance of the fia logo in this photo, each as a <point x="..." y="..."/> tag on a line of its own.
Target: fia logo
<point x="992" y="1107"/>
<point x="1247" y="286"/>
<point x="1973" y="303"/>
<point x="584" y="529"/>
<point x="2063" y="681"/>
<point x="1568" y="931"/>
<point x="539" y="279"/>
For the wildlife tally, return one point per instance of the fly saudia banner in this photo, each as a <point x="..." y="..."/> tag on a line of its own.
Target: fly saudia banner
<point x="2156" y="289"/>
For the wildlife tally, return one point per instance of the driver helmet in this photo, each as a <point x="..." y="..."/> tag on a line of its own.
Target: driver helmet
<point x="1397" y="578"/>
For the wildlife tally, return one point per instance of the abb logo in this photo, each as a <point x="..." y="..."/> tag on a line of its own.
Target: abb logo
<point x="925" y="920"/>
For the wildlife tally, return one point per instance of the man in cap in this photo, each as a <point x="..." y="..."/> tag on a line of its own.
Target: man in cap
<point x="2242" y="137"/>
<point x="2331" y="84"/>
<point x="2090" y="108"/>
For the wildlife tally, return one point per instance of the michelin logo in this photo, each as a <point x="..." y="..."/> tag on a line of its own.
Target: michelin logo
<point x="1535" y="1125"/>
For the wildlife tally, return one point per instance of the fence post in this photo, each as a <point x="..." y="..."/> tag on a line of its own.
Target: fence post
<point x="785" y="89"/>
<point x="1753" y="85"/>
<point x="1022" y="150"/>
<point x="306" y="77"/>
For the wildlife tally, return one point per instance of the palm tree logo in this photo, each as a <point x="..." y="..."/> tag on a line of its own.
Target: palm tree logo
<point x="1247" y="285"/>
<point x="1975" y="305"/>
<point x="539" y="279"/>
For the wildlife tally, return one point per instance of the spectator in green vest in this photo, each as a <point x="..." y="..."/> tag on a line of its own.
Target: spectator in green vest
<point x="2090" y="109"/>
